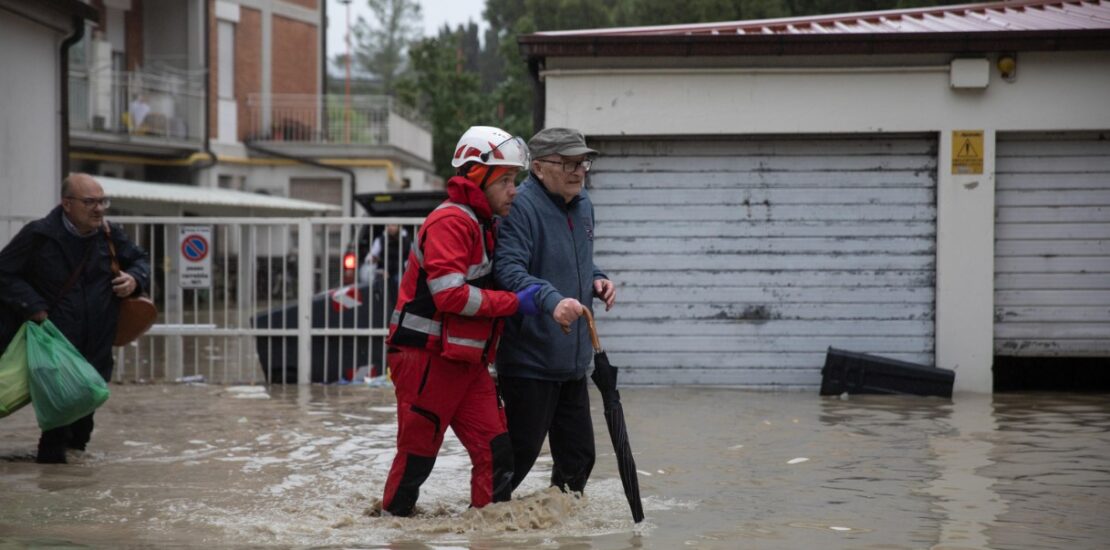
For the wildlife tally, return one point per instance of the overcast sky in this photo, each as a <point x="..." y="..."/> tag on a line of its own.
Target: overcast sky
<point x="436" y="13"/>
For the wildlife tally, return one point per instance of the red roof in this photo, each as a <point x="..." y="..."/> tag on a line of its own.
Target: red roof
<point x="1017" y="15"/>
<point x="967" y="29"/>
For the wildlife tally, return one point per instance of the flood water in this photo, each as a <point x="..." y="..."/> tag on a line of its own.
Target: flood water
<point x="220" y="466"/>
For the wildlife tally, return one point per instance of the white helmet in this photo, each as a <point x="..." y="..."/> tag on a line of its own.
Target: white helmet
<point x="490" y="146"/>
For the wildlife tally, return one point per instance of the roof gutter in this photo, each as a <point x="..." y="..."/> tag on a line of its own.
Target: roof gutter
<point x="195" y="167"/>
<point x="539" y="46"/>
<point x="63" y="68"/>
<point x="539" y="93"/>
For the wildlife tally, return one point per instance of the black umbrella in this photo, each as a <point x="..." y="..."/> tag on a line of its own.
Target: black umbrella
<point x="605" y="376"/>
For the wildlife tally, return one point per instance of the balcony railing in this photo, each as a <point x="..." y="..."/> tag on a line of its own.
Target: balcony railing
<point x="162" y="106"/>
<point x="334" y="119"/>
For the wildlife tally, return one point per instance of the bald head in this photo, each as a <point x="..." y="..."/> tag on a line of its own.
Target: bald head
<point x="80" y="182"/>
<point x="82" y="201"/>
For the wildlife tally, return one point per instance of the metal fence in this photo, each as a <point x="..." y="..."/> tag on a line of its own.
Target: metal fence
<point x="250" y="300"/>
<point x="325" y="119"/>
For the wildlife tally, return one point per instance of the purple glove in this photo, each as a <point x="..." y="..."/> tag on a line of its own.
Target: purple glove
<point x="527" y="297"/>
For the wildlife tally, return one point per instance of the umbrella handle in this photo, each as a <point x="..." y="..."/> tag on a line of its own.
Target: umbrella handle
<point x="593" y="330"/>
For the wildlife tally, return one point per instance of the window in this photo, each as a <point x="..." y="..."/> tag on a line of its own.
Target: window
<point x="226" y="59"/>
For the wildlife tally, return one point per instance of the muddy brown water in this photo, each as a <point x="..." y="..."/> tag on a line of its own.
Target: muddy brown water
<point x="226" y="466"/>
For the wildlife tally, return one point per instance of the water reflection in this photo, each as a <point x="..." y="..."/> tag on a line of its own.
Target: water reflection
<point x="1052" y="457"/>
<point x="963" y="494"/>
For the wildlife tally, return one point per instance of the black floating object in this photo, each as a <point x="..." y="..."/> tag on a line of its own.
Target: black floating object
<point x="859" y="373"/>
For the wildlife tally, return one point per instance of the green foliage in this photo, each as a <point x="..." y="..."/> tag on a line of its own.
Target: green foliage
<point x="448" y="95"/>
<point x="380" y="48"/>
<point x="662" y="12"/>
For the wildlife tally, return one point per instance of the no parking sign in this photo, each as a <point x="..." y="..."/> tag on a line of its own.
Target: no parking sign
<point x="196" y="260"/>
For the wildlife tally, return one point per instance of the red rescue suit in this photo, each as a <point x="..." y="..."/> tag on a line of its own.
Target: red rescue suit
<point x="442" y="337"/>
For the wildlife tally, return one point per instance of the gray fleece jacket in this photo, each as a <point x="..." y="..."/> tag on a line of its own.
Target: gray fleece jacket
<point x="545" y="240"/>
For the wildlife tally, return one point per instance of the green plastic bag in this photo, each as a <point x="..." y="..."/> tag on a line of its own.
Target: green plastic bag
<point x="14" y="393"/>
<point x="64" y="386"/>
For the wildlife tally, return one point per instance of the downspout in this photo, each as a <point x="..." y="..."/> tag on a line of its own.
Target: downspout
<point x="212" y="159"/>
<point x="326" y="120"/>
<point x="305" y="160"/>
<point x="324" y="64"/>
<point x="78" y="33"/>
<point x="539" y="95"/>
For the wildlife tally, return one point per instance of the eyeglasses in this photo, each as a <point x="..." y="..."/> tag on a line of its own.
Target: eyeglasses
<point x="570" y="165"/>
<point x="90" y="202"/>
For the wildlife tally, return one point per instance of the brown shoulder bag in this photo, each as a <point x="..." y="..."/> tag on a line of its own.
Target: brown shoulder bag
<point x="136" y="313"/>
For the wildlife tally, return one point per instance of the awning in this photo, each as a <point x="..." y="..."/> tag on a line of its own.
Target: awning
<point x="143" y="197"/>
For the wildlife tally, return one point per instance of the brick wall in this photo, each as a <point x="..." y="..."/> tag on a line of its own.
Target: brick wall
<point x="310" y="4"/>
<point x="296" y="48"/>
<point x="134" y="35"/>
<point x="295" y="67"/>
<point x="248" y="64"/>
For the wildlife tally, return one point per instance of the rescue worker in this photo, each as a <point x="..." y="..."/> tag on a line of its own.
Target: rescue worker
<point x="444" y="330"/>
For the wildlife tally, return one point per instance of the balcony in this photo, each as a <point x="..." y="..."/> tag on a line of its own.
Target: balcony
<point x="135" y="111"/>
<point x="335" y="126"/>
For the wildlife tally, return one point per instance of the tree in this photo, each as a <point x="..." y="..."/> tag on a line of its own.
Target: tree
<point x="659" y="12"/>
<point x="381" y="49"/>
<point x="445" y="92"/>
<point x="491" y="64"/>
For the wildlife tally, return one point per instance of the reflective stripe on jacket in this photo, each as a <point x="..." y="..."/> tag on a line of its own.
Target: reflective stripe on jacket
<point x="446" y="302"/>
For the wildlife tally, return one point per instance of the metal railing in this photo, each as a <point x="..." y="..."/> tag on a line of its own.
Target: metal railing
<point x="330" y="119"/>
<point x="166" y="105"/>
<point x="275" y="299"/>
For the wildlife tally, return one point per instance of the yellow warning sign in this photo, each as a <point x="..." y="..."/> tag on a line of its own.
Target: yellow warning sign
<point x="967" y="152"/>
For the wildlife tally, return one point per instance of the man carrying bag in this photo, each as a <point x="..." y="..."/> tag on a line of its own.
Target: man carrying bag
<point x="59" y="267"/>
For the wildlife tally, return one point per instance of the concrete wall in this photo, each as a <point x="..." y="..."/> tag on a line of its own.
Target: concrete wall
<point x="1052" y="91"/>
<point x="674" y="97"/>
<point x="410" y="137"/>
<point x="30" y="140"/>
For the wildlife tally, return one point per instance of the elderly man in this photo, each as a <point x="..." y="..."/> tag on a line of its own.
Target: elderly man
<point x="58" y="267"/>
<point x="547" y="239"/>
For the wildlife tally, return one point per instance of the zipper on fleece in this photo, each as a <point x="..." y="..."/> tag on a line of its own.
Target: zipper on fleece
<point x="578" y="275"/>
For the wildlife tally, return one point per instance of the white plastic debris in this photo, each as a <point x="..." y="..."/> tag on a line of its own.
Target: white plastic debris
<point x="248" y="392"/>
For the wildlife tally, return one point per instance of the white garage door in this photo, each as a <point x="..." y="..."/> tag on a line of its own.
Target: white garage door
<point x="1052" y="245"/>
<point x="741" y="261"/>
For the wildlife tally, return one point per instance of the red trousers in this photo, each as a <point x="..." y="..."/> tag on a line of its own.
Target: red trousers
<point x="432" y="394"/>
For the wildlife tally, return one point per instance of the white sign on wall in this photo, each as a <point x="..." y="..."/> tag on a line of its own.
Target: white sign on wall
<point x="195" y="258"/>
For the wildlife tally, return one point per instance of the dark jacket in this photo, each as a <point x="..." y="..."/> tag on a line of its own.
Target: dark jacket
<point x="35" y="266"/>
<point x="546" y="240"/>
<point x="389" y="245"/>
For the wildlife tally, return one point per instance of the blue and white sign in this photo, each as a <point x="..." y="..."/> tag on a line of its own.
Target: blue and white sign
<point x="196" y="257"/>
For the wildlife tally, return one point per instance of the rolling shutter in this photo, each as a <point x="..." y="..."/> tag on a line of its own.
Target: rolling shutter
<point x="1052" y="245"/>
<point x="740" y="261"/>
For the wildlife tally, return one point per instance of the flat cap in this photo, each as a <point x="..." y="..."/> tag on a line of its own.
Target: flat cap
<point x="567" y="142"/>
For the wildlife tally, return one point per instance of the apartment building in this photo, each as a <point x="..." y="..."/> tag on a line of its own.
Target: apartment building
<point x="230" y="94"/>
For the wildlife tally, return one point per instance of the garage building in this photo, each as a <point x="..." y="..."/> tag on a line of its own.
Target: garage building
<point x="930" y="185"/>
